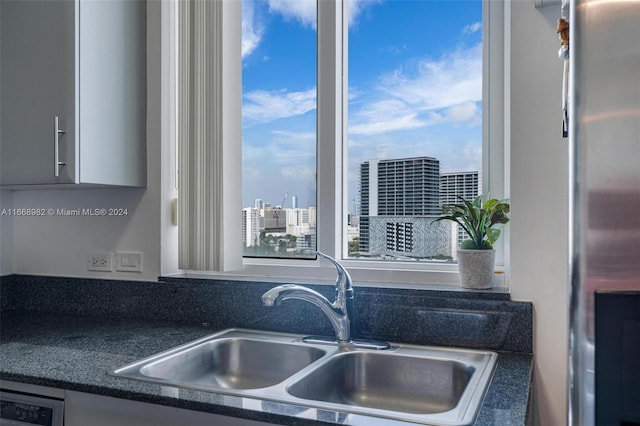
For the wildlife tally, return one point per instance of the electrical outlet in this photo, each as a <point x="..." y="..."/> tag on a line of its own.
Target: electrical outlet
<point x="100" y="262"/>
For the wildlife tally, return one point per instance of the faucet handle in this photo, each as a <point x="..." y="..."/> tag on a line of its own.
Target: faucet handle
<point x="343" y="282"/>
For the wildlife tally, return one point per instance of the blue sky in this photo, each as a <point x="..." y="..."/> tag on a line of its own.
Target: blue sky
<point x="415" y="84"/>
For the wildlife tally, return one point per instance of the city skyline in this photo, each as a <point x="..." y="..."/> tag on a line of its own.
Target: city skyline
<point x="400" y="200"/>
<point x="469" y="180"/>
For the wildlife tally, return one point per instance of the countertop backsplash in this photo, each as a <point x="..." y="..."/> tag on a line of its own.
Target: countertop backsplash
<point x="469" y="319"/>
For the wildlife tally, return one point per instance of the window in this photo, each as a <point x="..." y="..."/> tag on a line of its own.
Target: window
<point x="415" y="113"/>
<point x="355" y="177"/>
<point x="279" y="128"/>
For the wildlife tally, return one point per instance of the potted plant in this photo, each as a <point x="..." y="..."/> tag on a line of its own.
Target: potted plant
<point x="476" y="255"/>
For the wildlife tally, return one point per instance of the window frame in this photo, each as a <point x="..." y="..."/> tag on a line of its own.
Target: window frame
<point x="332" y="197"/>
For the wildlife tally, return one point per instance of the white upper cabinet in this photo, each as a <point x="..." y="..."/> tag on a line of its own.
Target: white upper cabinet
<point x="72" y="93"/>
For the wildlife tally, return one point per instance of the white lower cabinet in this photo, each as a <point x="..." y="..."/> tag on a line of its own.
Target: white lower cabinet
<point x="82" y="409"/>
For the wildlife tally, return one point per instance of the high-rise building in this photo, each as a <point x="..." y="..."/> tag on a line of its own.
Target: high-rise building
<point x="406" y="187"/>
<point x="463" y="184"/>
<point x="356" y="207"/>
<point x="306" y="243"/>
<point x="459" y="184"/>
<point x="298" y="221"/>
<point x="294" y="202"/>
<point x="250" y="227"/>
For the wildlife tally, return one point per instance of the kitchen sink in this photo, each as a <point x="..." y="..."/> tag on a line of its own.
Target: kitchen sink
<point x="387" y="381"/>
<point x="236" y="363"/>
<point x="428" y="385"/>
<point x="233" y="360"/>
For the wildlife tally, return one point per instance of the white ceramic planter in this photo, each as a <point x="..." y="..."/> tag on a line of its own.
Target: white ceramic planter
<point x="476" y="268"/>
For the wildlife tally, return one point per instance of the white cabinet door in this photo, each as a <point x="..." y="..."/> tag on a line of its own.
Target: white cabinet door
<point x="37" y="70"/>
<point x="84" y="62"/>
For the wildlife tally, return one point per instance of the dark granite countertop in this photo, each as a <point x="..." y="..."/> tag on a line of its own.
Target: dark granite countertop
<point x="75" y="352"/>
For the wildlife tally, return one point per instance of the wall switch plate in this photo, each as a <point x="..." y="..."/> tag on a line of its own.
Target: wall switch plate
<point x="129" y="261"/>
<point x="100" y="261"/>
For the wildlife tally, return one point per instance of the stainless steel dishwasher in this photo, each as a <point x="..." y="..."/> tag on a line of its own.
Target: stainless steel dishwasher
<point x="17" y="409"/>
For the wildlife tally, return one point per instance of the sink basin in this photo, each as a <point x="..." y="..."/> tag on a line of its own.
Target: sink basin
<point x="420" y="384"/>
<point x="238" y="361"/>
<point x="388" y="382"/>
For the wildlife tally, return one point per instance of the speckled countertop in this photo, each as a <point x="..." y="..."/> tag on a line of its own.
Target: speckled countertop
<point x="75" y="352"/>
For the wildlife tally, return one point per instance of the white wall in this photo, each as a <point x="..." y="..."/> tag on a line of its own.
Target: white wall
<point x="6" y="234"/>
<point x="539" y="199"/>
<point x="58" y="245"/>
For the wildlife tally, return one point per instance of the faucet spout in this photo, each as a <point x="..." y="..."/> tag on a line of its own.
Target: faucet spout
<point x="339" y="312"/>
<point x="337" y="318"/>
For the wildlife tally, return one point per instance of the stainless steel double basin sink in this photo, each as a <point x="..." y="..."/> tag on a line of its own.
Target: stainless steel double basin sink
<point x="428" y="385"/>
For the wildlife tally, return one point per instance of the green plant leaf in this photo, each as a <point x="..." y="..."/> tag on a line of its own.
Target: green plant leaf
<point x="477" y="218"/>
<point x="492" y="235"/>
<point x="468" y="245"/>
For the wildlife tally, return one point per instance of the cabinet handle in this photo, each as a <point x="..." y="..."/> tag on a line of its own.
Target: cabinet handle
<point x="56" y="138"/>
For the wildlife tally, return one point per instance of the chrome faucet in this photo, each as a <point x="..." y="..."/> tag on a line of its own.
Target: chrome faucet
<point x="339" y="312"/>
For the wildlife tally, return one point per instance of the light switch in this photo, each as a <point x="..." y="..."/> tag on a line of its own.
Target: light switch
<point x="129" y="261"/>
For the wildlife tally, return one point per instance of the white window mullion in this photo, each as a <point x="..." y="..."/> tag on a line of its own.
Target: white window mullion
<point x="330" y="129"/>
<point x="495" y="95"/>
<point x="343" y="193"/>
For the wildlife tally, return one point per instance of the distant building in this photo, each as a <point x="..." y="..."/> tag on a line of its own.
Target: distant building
<point x="402" y="188"/>
<point x="294" y="202"/>
<point x="399" y="201"/>
<point x="356" y="207"/>
<point x="463" y="184"/>
<point x="452" y="185"/>
<point x="274" y="221"/>
<point x="353" y="227"/>
<point x="415" y="237"/>
<point x="306" y="243"/>
<point x="250" y="227"/>
<point x="298" y="221"/>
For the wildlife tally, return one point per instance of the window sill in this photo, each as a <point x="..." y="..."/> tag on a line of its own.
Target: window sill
<point x="385" y="274"/>
<point x="326" y="276"/>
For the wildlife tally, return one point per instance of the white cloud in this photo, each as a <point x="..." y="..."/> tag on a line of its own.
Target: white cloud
<point x="252" y="29"/>
<point x="295" y="136"/>
<point x="384" y="116"/>
<point x="303" y="11"/>
<point x="404" y="122"/>
<point x="282" y="149"/>
<point x="299" y="173"/>
<point x="357" y="7"/>
<point x="264" y="106"/>
<point x="468" y="112"/>
<point x="250" y="172"/>
<point x="454" y="79"/>
<point x="462" y="157"/>
<point x="422" y="93"/>
<point x="283" y="160"/>
<point x="472" y="28"/>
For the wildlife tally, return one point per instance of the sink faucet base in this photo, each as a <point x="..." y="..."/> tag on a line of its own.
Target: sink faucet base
<point x="355" y="343"/>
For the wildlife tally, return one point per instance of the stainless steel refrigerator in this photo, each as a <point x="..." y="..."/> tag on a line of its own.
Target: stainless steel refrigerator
<point x="604" y="140"/>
